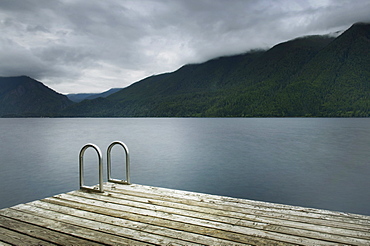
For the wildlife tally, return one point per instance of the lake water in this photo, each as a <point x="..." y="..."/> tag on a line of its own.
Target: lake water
<point x="311" y="162"/>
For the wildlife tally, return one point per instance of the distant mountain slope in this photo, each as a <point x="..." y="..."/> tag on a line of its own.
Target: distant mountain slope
<point x="321" y="76"/>
<point x="207" y="89"/>
<point x="199" y="89"/>
<point x="79" y="97"/>
<point x="336" y="82"/>
<point x="24" y="96"/>
<point x="309" y="76"/>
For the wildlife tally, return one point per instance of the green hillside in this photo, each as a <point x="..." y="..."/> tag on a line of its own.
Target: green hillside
<point x="315" y="76"/>
<point x="309" y="76"/>
<point x="336" y="82"/>
<point x="24" y="96"/>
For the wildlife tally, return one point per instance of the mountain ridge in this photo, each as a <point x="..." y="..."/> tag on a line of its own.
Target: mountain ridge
<point x="294" y="79"/>
<point x="24" y="96"/>
<point x="315" y="76"/>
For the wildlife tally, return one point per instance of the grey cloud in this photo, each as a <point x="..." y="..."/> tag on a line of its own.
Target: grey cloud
<point x="37" y="28"/>
<point x="16" y="60"/>
<point x="116" y="42"/>
<point x="341" y="14"/>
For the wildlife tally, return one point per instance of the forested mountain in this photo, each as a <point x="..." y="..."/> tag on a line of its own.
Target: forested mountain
<point x="24" y="96"/>
<point x="308" y="76"/>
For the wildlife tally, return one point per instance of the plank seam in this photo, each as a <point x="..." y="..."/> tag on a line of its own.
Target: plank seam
<point x="204" y="220"/>
<point x="201" y="226"/>
<point x="297" y="216"/>
<point x="267" y="227"/>
<point x="63" y="222"/>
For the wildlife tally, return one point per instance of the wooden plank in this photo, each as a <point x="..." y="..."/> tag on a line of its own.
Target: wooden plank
<point x="222" y="215"/>
<point x="90" y="234"/>
<point x="165" y="223"/>
<point x="42" y="233"/>
<point x="267" y="214"/>
<point x="231" y="227"/>
<point x="230" y="200"/>
<point x="216" y="198"/>
<point x="208" y="216"/>
<point x="105" y="215"/>
<point x="14" y="238"/>
<point x="227" y="211"/>
<point x="344" y="219"/>
<point x="143" y="215"/>
<point x="102" y="225"/>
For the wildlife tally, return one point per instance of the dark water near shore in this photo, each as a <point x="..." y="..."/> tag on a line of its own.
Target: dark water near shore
<point x="311" y="162"/>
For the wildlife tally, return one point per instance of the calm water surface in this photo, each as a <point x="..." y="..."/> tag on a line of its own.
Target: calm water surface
<point x="311" y="162"/>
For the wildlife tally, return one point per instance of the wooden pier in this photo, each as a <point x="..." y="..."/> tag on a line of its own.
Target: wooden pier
<point x="145" y="215"/>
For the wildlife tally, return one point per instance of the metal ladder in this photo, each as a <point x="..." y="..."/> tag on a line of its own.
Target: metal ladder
<point x="100" y="160"/>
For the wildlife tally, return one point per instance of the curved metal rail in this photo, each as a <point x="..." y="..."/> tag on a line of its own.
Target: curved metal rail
<point x="110" y="179"/>
<point x="81" y="163"/>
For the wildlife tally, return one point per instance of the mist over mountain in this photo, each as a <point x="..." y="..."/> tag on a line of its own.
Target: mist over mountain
<point x="309" y="76"/>
<point x="320" y="76"/>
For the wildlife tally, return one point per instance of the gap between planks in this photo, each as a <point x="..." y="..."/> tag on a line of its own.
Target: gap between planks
<point x="138" y="214"/>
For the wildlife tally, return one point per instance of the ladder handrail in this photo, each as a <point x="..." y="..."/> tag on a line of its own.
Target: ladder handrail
<point x="82" y="152"/>
<point x="110" y="179"/>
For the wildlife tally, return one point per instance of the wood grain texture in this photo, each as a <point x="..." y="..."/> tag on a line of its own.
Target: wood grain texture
<point x="145" y="215"/>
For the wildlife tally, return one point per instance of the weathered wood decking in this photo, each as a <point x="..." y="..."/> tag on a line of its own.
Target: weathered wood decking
<point x="145" y="215"/>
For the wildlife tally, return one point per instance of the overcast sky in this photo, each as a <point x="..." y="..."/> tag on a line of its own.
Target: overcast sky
<point x="76" y="46"/>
